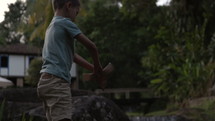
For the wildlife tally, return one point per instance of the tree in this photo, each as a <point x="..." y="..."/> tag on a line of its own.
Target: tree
<point x="8" y="28"/>
<point x="122" y="37"/>
<point x="35" y="21"/>
<point x="182" y="63"/>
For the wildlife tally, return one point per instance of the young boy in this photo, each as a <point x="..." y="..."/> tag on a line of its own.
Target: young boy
<point x="58" y="55"/>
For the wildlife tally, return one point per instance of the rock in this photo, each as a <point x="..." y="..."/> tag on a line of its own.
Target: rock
<point x="89" y="108"/>
<point x="96" y="108"/>
<point x="86" y="106"/>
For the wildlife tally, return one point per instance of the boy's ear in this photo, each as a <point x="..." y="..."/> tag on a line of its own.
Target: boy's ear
<point x="69" y="4"/>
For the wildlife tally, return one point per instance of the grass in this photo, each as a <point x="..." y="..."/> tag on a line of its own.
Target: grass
<point x="161" y="113"/>
<point x="134" y="114"/>
<point x="2" y="110"/>
<point x="204" y="103"/>
<point x="199" y="110"/>
<point x="25" y="119"/>
<point x="2" y="106"/>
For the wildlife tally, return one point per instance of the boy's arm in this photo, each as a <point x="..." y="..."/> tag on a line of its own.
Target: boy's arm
<point x="93" y="51"/>
<point x="82" y="62"/>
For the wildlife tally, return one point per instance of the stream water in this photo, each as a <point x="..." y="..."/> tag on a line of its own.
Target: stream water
<point x="158" y="118"/>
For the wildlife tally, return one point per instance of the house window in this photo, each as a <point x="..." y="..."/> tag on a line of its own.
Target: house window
<point x="4" y="61"/>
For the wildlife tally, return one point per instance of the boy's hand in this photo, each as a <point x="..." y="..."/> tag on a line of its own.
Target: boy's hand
<point x="102" y="77"/>
<point x="97" y="70"/>
<point x="98" y="76"/>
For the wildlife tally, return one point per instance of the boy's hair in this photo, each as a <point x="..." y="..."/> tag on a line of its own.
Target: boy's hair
<point x="58" y="4"/>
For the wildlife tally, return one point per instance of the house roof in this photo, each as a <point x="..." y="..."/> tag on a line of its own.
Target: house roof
<point x="20" y="49"/>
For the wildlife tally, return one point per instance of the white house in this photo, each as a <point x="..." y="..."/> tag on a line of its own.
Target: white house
<point x="15" y="60"/>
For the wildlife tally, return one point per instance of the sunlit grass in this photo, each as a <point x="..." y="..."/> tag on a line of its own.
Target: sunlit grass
<point x="134" y="114"/>
<point x="161" y="113"/>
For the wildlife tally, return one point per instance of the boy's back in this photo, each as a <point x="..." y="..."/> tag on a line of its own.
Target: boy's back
<point x="58" y="48"/>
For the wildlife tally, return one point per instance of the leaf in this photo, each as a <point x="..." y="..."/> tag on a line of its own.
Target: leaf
<point x="156" y="81"/>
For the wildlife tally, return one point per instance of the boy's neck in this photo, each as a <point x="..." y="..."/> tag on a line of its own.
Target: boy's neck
<point x="60" y="12"/>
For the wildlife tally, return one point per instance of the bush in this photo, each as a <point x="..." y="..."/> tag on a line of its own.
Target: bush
<point x="34" y="72"/>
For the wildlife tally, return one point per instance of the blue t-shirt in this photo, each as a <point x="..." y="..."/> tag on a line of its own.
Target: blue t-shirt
<point x="58" y="47"/>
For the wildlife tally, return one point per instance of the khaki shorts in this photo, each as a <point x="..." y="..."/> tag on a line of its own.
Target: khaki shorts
<point x="56" y="96"/>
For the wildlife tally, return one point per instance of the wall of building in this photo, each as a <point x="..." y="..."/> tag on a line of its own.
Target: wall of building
<point x="16" y="65"/>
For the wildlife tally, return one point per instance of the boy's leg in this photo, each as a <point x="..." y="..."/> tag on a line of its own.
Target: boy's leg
<point x="57" y="94"/>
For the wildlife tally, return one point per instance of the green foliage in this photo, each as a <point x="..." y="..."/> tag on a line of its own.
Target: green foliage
<point x="9" y="27"/>
<point x="34" y="72"/>
<point x="36" y="21"/>
<point x="26" y="119"/>
<point x="121" y="38"/>
<point x="2" y="116"/>
<point x="2" y="109"/>
<point x="189" y="14"/>
<point x="181" y="64"/>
